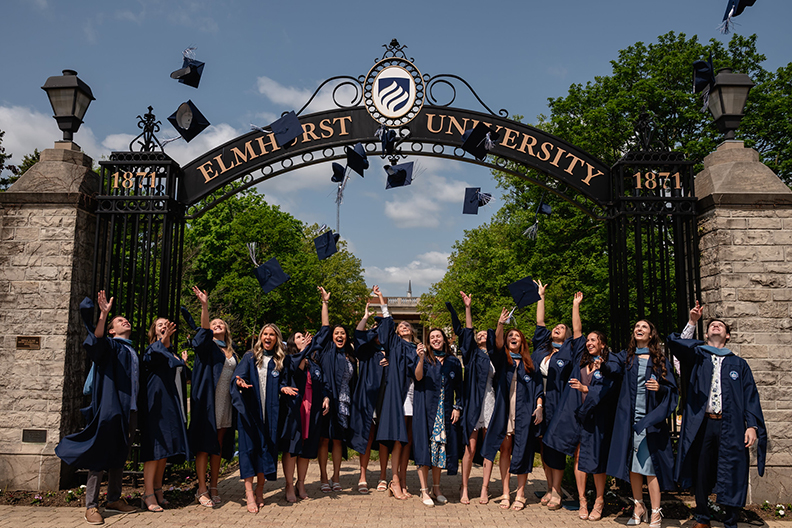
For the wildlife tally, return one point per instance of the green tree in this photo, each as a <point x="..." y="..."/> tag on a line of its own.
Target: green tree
<point x="570" y="251"/>
<point x="216" y="259"/>
<point x="28" y="160"/>
<point x="6" y="179"/>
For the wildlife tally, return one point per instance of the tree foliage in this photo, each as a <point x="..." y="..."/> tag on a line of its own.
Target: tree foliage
<point x="12" y="174"/>
<point x="570" y="252"/>
<point x="216" y="259"/>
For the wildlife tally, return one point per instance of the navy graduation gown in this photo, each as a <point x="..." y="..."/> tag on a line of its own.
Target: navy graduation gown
<point x="333" y="362"/>
<point x="258" y="436"/>
<point x="401" y="362"/>
<point x="558" y="370"/>
<point x="477" y="364"/>
<point x="291" y="440"/>
<point x="660" y="405"/>
<point x="207" y="367"/>
<point x="529" y="389"/>
<point x="364" y="400"/>
<point x="588" y="424"/>
<point x="103" y="444"/>
<point x="163" y="431"/>
<point x="425" y="402"/>
<point x="740" y="409"/>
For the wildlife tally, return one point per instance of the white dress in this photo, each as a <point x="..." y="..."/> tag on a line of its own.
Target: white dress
<point x="488" y="405"/>
<point x="408" y="401"/>
<point x="223" y="394"/>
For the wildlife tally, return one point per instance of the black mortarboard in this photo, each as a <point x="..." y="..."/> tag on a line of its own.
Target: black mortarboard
<point x="456" y="324"/>
<point x="545" y="209"/>
<point x="542" y="208"/>
<point x="357" y="159"/>
<point x="190" y="72"/>
<point x="734" y="8"/>
<point x="474" y="199"/>
<point x="388" y="138"/>
<point x="479" y="140"/>
<point x="339" y="171"/>
<point x="703" y="74"/>
<point x="188" y="318"/>
<point x="326" y="244"/>
<point x="524" y="292"/>
<point x="270" y="275"/>
<point x="286" y="129"/>
<point x="399" y="175"/>
<point x="188" y="121"/>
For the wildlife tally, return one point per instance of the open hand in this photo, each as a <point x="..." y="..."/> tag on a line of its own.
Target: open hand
<point x="290" y="391"/>
<point x="541" y="287"/>
<point x="324" y="294"/>
<point x="538" y="415"/>
<point x="465" y="299"/>
<point x="242" y="383"/>
<point x="575" y="384"/>
<point x="104" y="304"/>
<point x="695" y="313"/>
<point x="203" y="296"/>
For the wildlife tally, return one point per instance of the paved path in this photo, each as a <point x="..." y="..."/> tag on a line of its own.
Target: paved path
<point x="345" y="509"/>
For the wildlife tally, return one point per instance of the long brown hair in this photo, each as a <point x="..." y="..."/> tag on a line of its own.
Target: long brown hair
<point x="279" y="352"/>
<point x="229" y="342"/>
<point x="586" y="358"/>
<point x="525" y="351"/>
<point x="152" y="333"/>
<point x="430" y="355"/>
<point x="655" y="350"/>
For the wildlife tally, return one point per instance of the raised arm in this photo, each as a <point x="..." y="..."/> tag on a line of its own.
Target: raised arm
<point x="468" y="311"/>
<point x="499" y="337"/>
<point x="361" y="327"/>
<point x="577" y="324"/>
<point x="325" y="310"/>
<point x="420" y="351"/>
<point x="104" y="309"/>
<point x="540" y="306"/>
<point x="383" y="304"/>
<point x="203" y="297"/>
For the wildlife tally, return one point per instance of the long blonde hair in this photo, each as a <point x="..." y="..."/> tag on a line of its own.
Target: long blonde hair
<point x="279" y="353"/>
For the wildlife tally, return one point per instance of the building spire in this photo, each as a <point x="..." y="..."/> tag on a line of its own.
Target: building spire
<point x="409" y="288"/>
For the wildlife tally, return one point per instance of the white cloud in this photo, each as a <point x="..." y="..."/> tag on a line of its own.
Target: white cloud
<point x="129" y="16"/>
<point x="423" y="206"/>
<point x="295" y="98"/>
<point x="424" y="271"/>
<point x="212" y="137"/>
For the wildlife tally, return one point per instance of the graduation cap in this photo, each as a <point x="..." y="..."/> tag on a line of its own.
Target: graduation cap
<point x="542" y="208"/>
<point x="339" y="171"/>
<point x="188" y="121"/>
<point x="357" y="159"/>
<point x="286" y="129"/>
<point x="86" y="312"/>
<point x="399" y="175"/>
<point x="190" y="72"/>
<point x="188" y="318"/>
<point x="388" y="138"/>
<point x="525" y="292"/>
<point x="474" y="199"/>
<point x="479" y="140"/>
<point x="703" y="79"/>
<point x="326" y="244"/>
<point x="270" y="275"/>
<point x="733" y="8"/>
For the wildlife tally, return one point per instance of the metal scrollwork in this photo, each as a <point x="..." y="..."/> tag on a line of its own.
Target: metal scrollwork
<point x="431" y="81"/>
<point x="148" y="122"/>
<point x="357" y="84"/>
<point x="394" y="50"/>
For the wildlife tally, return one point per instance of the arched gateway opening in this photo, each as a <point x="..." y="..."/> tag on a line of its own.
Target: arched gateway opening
<point x="647" y="199"/>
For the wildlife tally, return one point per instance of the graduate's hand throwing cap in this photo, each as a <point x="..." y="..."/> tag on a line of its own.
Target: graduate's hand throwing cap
<point x="525" y="292"/>
<point x="479" y="140"/>
<point x="188" y="121"/>
<point x="286" y="129"/>
<point x="399" y="175"/>
<point x="326" y="244"/>
<point x="339" y="171"/>
<point x="357" y="159"/>
<point x="474" y="199"/>
<point x="270" y="275"/>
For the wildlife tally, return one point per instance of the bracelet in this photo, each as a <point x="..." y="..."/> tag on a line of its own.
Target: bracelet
<point x="539" y="405"/>
<point x="324" y="302"/>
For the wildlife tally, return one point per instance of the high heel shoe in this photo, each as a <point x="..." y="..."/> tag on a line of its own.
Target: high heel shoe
<point x="393" y="494"/>
<point x="555" y="501"/>
<point x="638" y="516"/>
<point x="440" y="498"/>
<point x="596" y="511"/>
<point x="215" y="496"/>
<point x="544" y="500"/>
<point x="161" y="498"/>
<point x="657" y="518"/>
<point x="583" y="512"/>
<point x="204" y="500"/>
<point x="428" y="500"/>
<point x="156" y="508"/>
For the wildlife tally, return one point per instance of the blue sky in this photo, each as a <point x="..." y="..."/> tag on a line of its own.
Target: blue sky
<point x="265" y="57"/>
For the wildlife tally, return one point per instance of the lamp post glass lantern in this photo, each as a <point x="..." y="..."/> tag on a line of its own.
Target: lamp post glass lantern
<point x="727" y="100"/>
<point x="69" y="97"/>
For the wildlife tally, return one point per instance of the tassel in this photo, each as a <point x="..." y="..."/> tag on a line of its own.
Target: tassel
<point x="532" y="231"/>
<point x="510" y="320"/>
<point x="488" y="143"/>
<point x="169" y="140"/>
<point x="380" y="131"/>
<point x="705" y="96"/>
<point x="258" y="128"/>
<point x="251" y="247"/>
<point x="484" y="198"/>
<point x="189" y="53"/>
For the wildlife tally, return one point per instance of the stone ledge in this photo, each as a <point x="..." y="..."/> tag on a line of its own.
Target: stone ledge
<point x="82" y="201"/>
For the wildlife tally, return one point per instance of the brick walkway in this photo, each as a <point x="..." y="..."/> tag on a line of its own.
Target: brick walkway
<point x="345" y="509"/>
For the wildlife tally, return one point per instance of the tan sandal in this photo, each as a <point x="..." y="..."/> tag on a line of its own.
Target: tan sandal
<point x="596" y="511"/>
<point x="519" y="504"/>
<point x="204" y="500"/>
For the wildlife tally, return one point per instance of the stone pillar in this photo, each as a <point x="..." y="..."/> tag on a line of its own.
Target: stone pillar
<point x="46" y="253"/>
<point x="745" y="230"/>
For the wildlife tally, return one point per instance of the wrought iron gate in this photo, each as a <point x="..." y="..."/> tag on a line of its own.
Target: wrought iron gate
<point x="140" y="233"/>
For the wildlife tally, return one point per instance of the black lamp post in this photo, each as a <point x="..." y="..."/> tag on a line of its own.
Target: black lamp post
<point x="727" y="100"/>
<point x="69" y="97"/>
